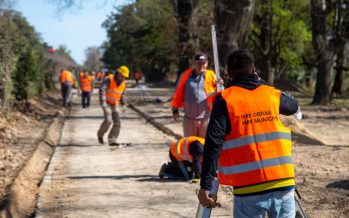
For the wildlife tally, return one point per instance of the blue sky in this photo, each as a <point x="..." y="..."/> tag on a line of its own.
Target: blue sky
<point x="77" y="29"/>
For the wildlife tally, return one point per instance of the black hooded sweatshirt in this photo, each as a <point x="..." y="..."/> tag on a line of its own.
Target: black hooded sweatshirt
<point x="219" y="125"/>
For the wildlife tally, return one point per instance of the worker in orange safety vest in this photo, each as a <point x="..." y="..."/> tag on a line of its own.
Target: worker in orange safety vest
<point x="86" y="89"/>
<point x="99" y="76"/>
<point x="112" y="98"/>
<point x="67" y="80"/>
<point x="137" y="76"/>
<point x="185" y="156"/>
<point x="248" y="145"/>
<point x="193" y="89"/>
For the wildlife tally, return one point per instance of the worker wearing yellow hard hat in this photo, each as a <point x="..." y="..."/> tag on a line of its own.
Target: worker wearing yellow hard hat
<point x="124" y="71"/>
<point x="111" y="96"/>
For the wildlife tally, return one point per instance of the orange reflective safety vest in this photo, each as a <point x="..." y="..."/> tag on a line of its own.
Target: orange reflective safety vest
<point x="66" y="76"/>
<point x="180" y="149"/>
<point x="258" y="148"/>
<point x="86" y="84"/>
<point x="210" y="88"/>
<point x="114" y="92"/>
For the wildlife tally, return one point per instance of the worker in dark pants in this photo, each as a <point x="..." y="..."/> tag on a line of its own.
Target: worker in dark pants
<point x="67" y="81"/>
<point x="185" y="156"/>
<point x="86" y="89"/>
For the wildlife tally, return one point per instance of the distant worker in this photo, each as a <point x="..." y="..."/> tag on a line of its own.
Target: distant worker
<point x="111" y="95"/>
<point x="93" y="78"/>
<point x="137" y="76"/>
<point x="185" y="156"/>
<point x="67" y="81"/>
<point x="86" y="90"/>
<point x="99" y="76"/>
<point x="248" y="145"/>
<point x="193" y="88"/>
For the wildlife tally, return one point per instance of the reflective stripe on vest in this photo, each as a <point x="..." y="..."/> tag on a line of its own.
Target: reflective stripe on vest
<point x="180" y="149"/>
<point x="255" y="139"/>
<point x="242" y="168"/>
<point x="185" y="152"/>
<point x="114" y="91"/>
<point x="258" y="147"/>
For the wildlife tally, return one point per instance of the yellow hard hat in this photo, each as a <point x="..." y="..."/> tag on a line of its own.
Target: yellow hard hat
<point x="123" y="70"/>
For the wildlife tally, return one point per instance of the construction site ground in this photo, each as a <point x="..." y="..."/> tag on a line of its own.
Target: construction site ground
<point x="86" y="179"/>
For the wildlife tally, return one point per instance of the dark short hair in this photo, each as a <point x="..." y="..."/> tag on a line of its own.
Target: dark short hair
<point x="240" y="62"/>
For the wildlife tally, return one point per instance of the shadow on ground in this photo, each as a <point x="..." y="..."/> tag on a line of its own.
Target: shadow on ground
<point x="344" y="184"/>
<point x="140" y="178"/>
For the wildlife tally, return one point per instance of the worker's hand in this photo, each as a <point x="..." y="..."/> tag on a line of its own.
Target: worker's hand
<point x="175" y="116"/>
<point x="204" y="199"/>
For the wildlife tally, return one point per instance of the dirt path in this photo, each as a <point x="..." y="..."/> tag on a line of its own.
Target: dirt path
<point x="86" y="179"/>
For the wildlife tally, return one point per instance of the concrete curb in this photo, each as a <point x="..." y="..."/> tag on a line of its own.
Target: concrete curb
<point x="20" y="200"/>
<point x="158" y="125"/>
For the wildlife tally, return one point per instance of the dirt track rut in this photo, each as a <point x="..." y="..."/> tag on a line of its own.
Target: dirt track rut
<point x="85" y="179"/>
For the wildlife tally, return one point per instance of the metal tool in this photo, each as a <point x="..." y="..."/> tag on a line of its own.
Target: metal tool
<point x="300" y="213"/>
<point x="205" y="212"/>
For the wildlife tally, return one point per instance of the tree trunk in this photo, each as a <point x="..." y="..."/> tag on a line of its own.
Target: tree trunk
<point x="338" y="81"/>
<point x="267" y="70"/>
<point x="233" y="20"/>
<point x="323" y="81"/>
<point x="187" y="35"/>
<point x="266" y="25"/>
<point x="324" y="52"/>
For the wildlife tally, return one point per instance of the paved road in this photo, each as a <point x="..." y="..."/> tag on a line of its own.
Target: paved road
<point x="85" y="179"/>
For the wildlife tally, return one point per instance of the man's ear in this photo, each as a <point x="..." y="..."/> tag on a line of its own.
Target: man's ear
<point x="254" y="71"/>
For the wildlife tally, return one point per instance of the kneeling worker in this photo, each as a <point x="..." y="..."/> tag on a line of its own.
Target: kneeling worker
<point x="185" y="155"/>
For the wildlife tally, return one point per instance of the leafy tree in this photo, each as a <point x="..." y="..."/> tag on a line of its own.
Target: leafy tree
<point x="26" y="67"/>
<point x="140" y="35"/>
<point x="28" y="77"/>
<point x="279" y="36"/>
<point x="7" y="60"/>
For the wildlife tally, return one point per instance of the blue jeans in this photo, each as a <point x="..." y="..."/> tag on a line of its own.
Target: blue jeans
<point x="66" y="89"/>
<point x="278" y="204"/>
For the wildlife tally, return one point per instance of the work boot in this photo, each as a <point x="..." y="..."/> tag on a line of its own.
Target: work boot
<point x="118" y="145"/>
<point x="100" y="140"/>
<point x="162" y="173"/>
<point x="113" y="144"/>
